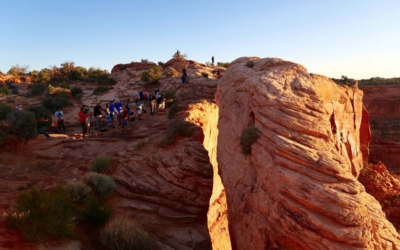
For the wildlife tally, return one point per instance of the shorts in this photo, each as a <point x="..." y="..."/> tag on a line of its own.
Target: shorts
<point x="124" y="123"/>
<point x="139" y="111"/>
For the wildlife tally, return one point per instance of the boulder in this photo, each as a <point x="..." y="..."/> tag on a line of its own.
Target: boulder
<point x="298" y="187"/>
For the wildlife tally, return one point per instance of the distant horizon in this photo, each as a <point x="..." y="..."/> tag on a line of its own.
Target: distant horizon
<point x="358" y="39"/>
<point x="156" y="62"/>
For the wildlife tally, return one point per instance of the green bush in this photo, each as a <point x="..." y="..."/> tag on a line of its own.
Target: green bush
<point x="4" y="110"/>
<point x="125" y="234"/>
<point x="14" y="90"/>
<point x="77" y="191"/>
<point x="36" y="89"/>
<point x="54" y="102"/>
<point x="77" y="92"/>
<point x="170" y="97"/>
<point x="22" y="124"/>
<point x="173" y="110"/>
<point x="64" y="85"/>
<point x="161" y="64"/>
<point x="101" y="164"/>
<point x="40" y="215"/>
<point x="204" y="74"/>
<point x="250" y="64"/>
<point x="95" y="213"/>
<point x="153" y="75"/>
<point x="103" y="185"/>
<point x="249" y="136"/>
<point x="224" y="64"/>
<point x="42" y="115"/>
<point x="4" y="91"/>
<point x="100" y="89"/>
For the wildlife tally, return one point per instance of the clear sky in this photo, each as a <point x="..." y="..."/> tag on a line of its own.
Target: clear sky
<point x="356" y="38"/>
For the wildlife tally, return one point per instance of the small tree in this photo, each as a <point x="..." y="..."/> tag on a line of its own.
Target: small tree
<point x="153" y="75"/>
<point x="18" y="70"/>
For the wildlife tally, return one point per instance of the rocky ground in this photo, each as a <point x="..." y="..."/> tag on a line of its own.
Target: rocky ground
<point x="167" y="189"/>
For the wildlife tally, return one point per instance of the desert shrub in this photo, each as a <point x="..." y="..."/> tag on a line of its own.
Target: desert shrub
<point x="22" y="124"/>
<point x="170" y="97"/>
<point x="152" y="76"/>
<point x="95" y="213"/>
<point x="173" y="110"/>
<point x="36" y="89"/>
<point x="103" y="185"/>
<point x="42" y="115"/>
<point x="51" y="90"/>
<point x="101" y="164"/>
<point x="161" y="64"/>
<point x="4" y="110"/>
<point x="144" y="60"/>
<point x="249" y="136"/>
<point x="100" y="89"/>
<point x="64" y="85"/>
<point x="250" y="64"/>
<point x="123" y="233"/>
<point x="14" y="90"/>
<point x="204" y="74"/>
<point x="172" y="72"/>
<point x="77" y="92"/>
<point x="54" y="102"/>
<point x="41" y="215"/>
<point x="77" y="191"/>
<point x="224" y="64"/>
<point x="4" y="90"/>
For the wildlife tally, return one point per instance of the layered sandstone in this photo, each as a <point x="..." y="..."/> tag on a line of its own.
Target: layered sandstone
<point x="298" y="188"/>
<point x="383" y="105"/>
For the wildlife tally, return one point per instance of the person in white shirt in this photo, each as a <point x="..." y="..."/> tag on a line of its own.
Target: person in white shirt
<point x="60" y="119"/>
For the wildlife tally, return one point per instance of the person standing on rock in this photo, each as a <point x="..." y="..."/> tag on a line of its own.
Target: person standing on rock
<point x="97" y="114"/>
<point x="212" y="60"/>
<point x="60" y="119"/>
<point x="184" y="75"/>
<point x="82" y="120"/>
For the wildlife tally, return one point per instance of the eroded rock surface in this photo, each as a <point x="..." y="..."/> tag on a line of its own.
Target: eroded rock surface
<point x="298" y="188"/>
<point x="383" y="105"/>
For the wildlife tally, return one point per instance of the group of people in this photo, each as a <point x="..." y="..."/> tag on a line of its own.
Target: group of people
<point x="117" y="114"/>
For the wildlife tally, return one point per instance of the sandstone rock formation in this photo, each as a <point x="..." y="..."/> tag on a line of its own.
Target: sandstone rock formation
<point x="383" y="104"/>
<point x="298" y="188"/>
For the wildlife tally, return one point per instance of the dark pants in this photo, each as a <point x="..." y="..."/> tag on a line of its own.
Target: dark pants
<point x="84" y="128"/>
<point x="61" y="124"/>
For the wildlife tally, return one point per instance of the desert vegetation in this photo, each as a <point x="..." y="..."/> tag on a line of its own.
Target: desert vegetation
<point x="249" y="136"/>
<point x="152" y="76"/>
<point x="124" y="233"/>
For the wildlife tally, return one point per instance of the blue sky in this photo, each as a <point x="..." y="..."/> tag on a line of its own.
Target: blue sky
<point x="356" y="38"/>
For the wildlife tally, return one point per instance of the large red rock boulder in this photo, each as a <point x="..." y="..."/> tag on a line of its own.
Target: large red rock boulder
<point x="298" y="187"/>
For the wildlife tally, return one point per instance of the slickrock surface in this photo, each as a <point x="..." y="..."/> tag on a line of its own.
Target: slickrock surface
<point x="383" y="104"/>
<point x="166" y="189"/>
<point x="298" y="188"/>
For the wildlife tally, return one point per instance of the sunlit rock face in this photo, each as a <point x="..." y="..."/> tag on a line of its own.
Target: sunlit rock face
<point x="298" y="188"/>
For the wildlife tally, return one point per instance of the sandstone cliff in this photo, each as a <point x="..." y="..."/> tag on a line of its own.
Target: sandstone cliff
<point x="298" y="188"/>
<point x="383" y="104"/>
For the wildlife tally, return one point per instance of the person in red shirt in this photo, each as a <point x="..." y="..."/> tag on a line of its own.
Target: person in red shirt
<point x="82" y="120"/>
